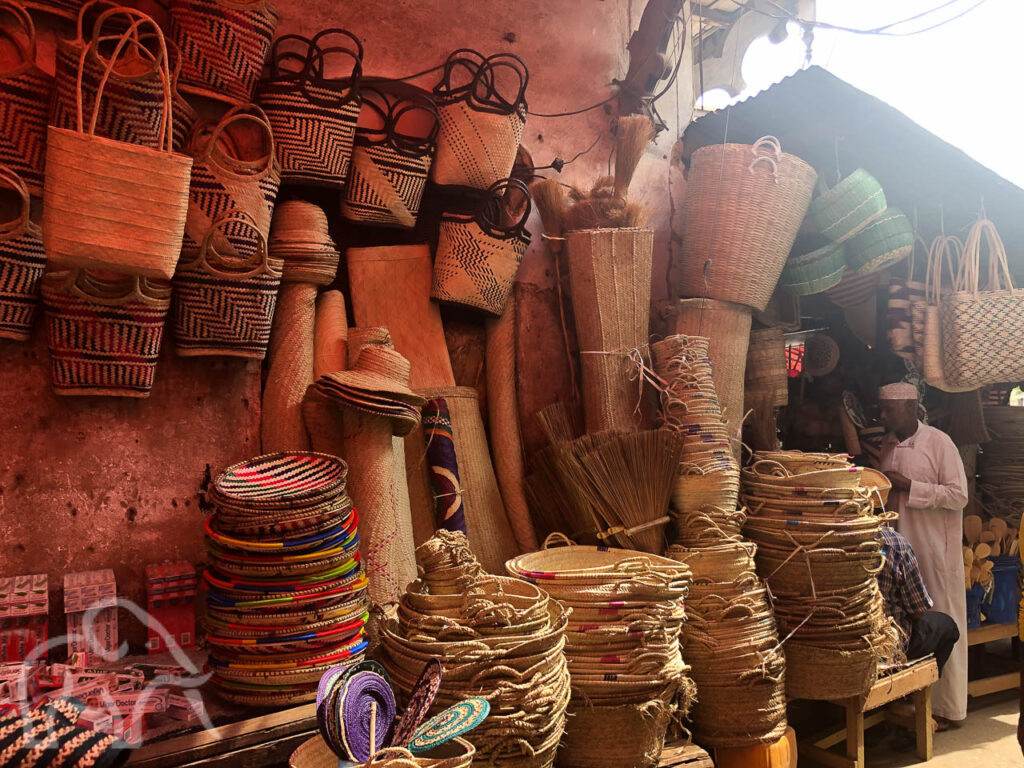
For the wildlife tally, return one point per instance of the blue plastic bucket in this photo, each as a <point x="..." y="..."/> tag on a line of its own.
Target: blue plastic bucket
<point x="974" y="596"/>
<point x="1006" y="592"/>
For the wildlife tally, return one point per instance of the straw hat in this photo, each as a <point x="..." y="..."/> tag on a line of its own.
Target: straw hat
<point x="377" y="384"/>
<point x="299" y="235"/>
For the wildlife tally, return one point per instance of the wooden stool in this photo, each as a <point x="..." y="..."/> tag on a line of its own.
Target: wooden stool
<point x="915" y="680"/>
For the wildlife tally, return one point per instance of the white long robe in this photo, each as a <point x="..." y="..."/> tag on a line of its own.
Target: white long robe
<point x="931" y="517"/>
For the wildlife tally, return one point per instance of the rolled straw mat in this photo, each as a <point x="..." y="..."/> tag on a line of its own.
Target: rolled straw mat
<point x="331" y="334"/>
<point x="487" y="524"/>
<point x="290" y="369"/>
<point x="728" y="328"/>
<point x="503" y="419"/>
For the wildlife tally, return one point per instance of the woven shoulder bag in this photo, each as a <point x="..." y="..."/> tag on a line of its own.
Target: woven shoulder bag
<point x="981" y="326"/>
<point x="225" y="177"/>
<point x="22" y="263"/>
<point x="25" y="93"/>
<point x="109" y="204"/>
<point x="481" y="126"/>
<point x="223" y="44"/>
<point x="394" y="146"/>
<point x="948" y="252"/>
<point x="104" y="334"/>
<point x="478" y="255"/>
<point x="314" y="115"/>
<point x="132" y="109"/>
<point x="224" y="306"/>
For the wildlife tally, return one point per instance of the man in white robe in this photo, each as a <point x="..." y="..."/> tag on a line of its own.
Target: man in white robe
<point x="929" y="493"/>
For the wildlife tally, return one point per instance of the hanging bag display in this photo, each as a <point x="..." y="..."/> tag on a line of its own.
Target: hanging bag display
<point x="222" y="305"/>
<point x="22" y="262"/>
<point x="223" y="45"/>
<point x="313" y="115"/>
<point x="899" y="320"/>
<point x="981" y="326"/>
<point x="948" y="252"/>
<point x="25" y="92"/>
<point x="113" y="205"/>
<point x="225" y="179"/>
<point x="132" y="108"/>
<point x="391" y="158"/>
<point x="104" y="334"/>
<point x="481" y="118"/>
<point x="478" y="255"/>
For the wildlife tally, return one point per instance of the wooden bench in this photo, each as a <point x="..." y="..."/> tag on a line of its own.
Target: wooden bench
<point x="976" y="640"/>
<point x="915" y="680"/>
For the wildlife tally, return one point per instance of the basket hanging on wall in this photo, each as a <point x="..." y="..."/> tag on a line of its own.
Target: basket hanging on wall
<point x="22" y="263"/>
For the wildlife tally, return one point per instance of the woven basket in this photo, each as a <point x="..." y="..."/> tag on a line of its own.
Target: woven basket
<point x="980" y="340"/>
<point x="821" y="355"/>
<point x="627" y="736"/>
<point x="766" y="376"/>
<point x="905" y="339"/>
<point x="391" y="157"/>
<point x="224" y="179"/>
<point x="112" y="205"/>
<point x="853" y="290"/>
<point x="104" y="335"/>
<point x="65" y="9"/>
<point x="225" y="306"/>
<point x="480" y="128"/>
<point x="824" y="673"/>
<point x="818" y="285"/>
<point x="946" y="252"/>
<point x="844" y="210"/>
<point x="224" y="44"/>
<point x="610" y="271"/>
<point x="744" y="205"/>
<point x="728" y="326"/>
<point x="724" y="561"/>
<point x="132" y="109"/>
<point x="25" y="92"/>
<point x="884" y="242"/>
<point x="477" y="256"/>
<point x="819" y="264"/>
<point x="314" y="117"/>
<point x="22" y="263"/>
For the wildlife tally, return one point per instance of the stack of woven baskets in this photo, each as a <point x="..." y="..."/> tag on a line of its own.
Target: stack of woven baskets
<point x="813" y="520"/>
<point x="708" y="473"/>
<point x="498" y="638"/>
<point x="286" y="597"/>
<point x="622" y="643"/>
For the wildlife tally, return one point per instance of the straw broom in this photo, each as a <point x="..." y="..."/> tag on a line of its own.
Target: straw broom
<point x="634" y="133"/>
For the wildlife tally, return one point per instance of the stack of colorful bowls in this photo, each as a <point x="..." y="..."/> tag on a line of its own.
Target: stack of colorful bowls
<point x="286" y="595"/>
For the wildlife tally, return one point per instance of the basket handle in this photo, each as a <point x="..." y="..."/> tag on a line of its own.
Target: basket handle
<point x="28" y="53"/>
<point x="412" y="145"/>
<point x="558" y="539"/>
<point x="999" y="278"/>
<point x="461" y="58"/>
<point x="16" y="226"/>
<point x="79" y="35"/>
<point x="493" y="200"/>
<point x="775" y="466"/>
<point x="242" y="113"/>
<point x="79" y="282"/>
<point x="491" y="100"/>
<point x="275" y="57"/>
<point x="316" y="62"/>
<point x="771" y="143"/>
<point x="255" y="265"/>
<point x="164" y="137"/>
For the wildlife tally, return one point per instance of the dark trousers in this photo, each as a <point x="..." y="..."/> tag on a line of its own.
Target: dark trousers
<point x="934" y="633"/>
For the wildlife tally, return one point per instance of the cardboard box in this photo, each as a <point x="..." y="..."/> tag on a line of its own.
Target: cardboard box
<point x="170" y="598"/>
<point x="93" y="592"/>
<point x="24" y="615"/>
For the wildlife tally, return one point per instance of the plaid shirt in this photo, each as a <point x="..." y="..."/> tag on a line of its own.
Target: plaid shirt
<point x="900" y="581"/>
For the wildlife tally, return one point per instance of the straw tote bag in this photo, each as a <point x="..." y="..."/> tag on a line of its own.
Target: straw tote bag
<point x="314" y="116"/>
<point x="132" y="108"/>
<point x="223" y="45"/>
<point x="899" y="313"/>
<point x="112" y="205"/>
<point x="477" y="255"/>
<point x="982" y="341"/>
<point x="224" y="180"/>
<point x="104" y="335"/>
<point x="944" y="250"/>
<point x="22" y="262"/>
<point x="390" y="164"/>
<point x="225" y="306"/>
<point x="744" y="206"/>
<point x="25" y="93"/>
<point x="481" y="127"/>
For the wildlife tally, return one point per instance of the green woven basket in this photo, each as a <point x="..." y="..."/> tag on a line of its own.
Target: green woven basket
<point x="819" y="263"/>
<point x="885" y="241"/>
<point x="844" y="210"/>
<point x="817" y="285"/>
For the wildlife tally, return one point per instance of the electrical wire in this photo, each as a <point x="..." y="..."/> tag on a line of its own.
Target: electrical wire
<point x="880" y="31"/>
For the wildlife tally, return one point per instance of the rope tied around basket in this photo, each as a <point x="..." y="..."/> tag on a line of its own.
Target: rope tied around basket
<point x="639" y="370"/>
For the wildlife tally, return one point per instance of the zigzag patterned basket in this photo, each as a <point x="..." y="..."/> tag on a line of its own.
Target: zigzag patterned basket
<point x="104" y="335"/>
<point x="389" y="164"/>
<point x="226" y="306"/>
<point x="314" y="118"/>
<point x="25" y="93"/>
<point x="22" y="263"/>
<point x="224" y="44"/>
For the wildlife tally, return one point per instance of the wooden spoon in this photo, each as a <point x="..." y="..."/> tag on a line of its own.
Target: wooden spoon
<point x="972" y="529"/>
<point x="998" y="526"/>
<point x="975" y="574"/>
<point x="968" y="557"/>
<point x="997" y="548"/>
<point x="987" y="537"/>
<point x="981" y="552"/>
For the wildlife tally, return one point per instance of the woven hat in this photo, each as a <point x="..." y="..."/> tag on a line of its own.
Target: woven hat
<point x="299" y="235"/>
<point x="379" y="370"/>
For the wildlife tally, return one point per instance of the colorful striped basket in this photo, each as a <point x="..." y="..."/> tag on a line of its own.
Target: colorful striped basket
<point x="844" y="210"/>
<point x="885" y="241"/>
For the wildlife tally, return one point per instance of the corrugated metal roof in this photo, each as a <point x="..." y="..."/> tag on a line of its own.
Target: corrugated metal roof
<point x="814" y="114"/>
